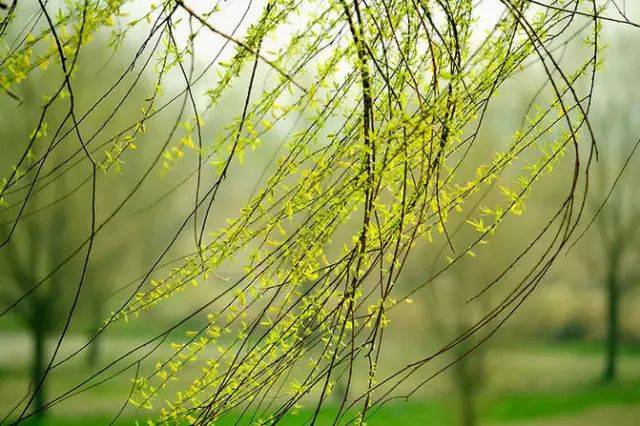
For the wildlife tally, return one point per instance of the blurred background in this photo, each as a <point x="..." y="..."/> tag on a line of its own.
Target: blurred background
<point x="569" y="356"/>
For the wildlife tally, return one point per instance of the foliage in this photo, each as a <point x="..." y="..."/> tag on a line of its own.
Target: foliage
<point x="382" y="101"/>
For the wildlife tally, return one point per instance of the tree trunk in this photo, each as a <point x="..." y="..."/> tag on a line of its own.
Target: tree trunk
<point x="613" y="332"/>
<point x="94" y="352"/>
<point x="467" y="408"/>
<point x="38" y="367"/>
<point x="466" y="392"/>
<point x="95" y="346"/>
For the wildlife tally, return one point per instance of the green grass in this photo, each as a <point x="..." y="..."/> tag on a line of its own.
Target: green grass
<point x="493" y="409"/>
<point x="525" y="406"/>
<point x="535" y="383"/>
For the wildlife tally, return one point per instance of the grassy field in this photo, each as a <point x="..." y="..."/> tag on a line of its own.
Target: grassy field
<point x="594" y="405"/>
<point x="534" y="384"/>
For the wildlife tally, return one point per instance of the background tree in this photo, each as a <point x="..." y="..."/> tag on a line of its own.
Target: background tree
<point x="615" y="205"/>
<point x="35" y="250"/>
<point x="619" y="240"/>
<point x="449" y="317"/>
<point x="34" y="262"/>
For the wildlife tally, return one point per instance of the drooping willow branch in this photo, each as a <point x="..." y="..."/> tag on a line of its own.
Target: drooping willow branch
<point x="382" y="101"/>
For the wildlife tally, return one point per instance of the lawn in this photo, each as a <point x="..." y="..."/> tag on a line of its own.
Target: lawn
<point x="532" y="385"/>
<point x="520" y="408"/>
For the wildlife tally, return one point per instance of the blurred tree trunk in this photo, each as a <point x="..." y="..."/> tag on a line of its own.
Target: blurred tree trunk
<point x="464" y="378"/>
<point x="94" y="351"/>
<point x="613" y="328"/>
<point x="38" y="331"/>
<point x="96" y="344"/>
<point x="468" y="375"/>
